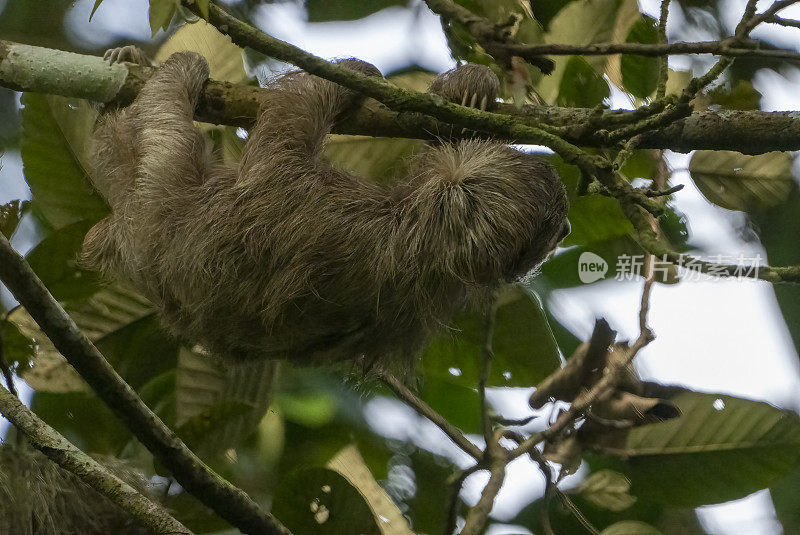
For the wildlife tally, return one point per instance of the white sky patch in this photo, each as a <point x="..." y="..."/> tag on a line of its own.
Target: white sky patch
<point x="113" y="20"/>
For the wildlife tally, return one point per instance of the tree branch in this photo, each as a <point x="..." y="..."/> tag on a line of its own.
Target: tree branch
<point x="750" y="49"/>
<point x="229" y="502"/>
<point x="43" y="70"/>
<point x="423" y="409"/>
<point x="67" y="456"/>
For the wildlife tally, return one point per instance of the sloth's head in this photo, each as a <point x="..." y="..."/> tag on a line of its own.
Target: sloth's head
<point x="547" y="215"/>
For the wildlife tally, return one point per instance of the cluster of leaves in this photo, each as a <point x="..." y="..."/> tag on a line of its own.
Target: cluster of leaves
<point x="313" y="445"/>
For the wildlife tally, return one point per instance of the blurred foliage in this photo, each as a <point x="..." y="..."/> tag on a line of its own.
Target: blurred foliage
<point x="277" y="442"/>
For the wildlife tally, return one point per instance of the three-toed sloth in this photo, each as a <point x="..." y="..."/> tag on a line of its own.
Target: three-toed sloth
<point x="283" y="256"/>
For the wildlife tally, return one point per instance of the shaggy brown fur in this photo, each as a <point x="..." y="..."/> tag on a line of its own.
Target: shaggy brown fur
<point x="38" y="497"/>
<point x="285" y="257"/>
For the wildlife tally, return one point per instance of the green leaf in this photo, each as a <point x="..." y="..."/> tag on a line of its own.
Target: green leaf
<point x="582" y="22"/>
<point x="630" y="527"/>
<point x="55" y="135"/>
<point x="743" y="96"/>
<point x="99" y="316"/>
<point x="721" y="448"/>
<point x="202" y="5"/>
<point x="594" y="218"/>
<point x="640" y="73"/>
<point x="10" y="215"/>
<point x="738" y="182"/>
<point x="161" y="13"/>
<point x="196" y="430"/>
<point x="581" y="85"/>
<point x="606" y="489"/>
<point x="17" y="348"/>
<point x="325" y="10"/>
<point x="458" y="404"/>
<point x="204" y="384"/>
<point x="545" y="10"/>
<point x="349" y="463"/>
<point x="224" y="58"/>
<point x="318" y="501"/>
<point x="525" y="351"/>
<point x="54" y="261"/>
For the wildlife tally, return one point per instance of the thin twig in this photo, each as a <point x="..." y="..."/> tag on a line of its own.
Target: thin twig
<point x="717" y="48"/>
<point x="774" y="19"/>
<point x="423" y="409"/>
<point x="487" y="355"/>
<point x="228" y="501"/>
<point x="663" y="69"/>
<point x="61" y="451"/>
<point x="454" y="489"/>
<point x="663" y="193"/>
<point x="477" y="516"/>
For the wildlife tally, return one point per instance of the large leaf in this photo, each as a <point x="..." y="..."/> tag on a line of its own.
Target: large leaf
<point x="54" y="260"/>
<point x="54" y="154"/>
<point x="349" y="463"/>
<point x="721" y="448"/>
<point x="224" y="58"/>
<point x="322" y="501"/>
<point x="525" y="351"/>
<point x="779" y="228"/>
<point x="582" y="22"/>
<point x="594" y="218"/>
<point x="739" y="182"/>
<point x="640" y="73"/>
<point x="581" y="86"/>
<point x="221" y="402"/>
<point x="100" y="316"/>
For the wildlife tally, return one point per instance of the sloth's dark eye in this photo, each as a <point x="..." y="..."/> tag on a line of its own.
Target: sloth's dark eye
<point x="565" y="228"/>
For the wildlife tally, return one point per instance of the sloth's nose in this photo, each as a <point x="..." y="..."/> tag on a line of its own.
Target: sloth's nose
<point x="565" y="228"/>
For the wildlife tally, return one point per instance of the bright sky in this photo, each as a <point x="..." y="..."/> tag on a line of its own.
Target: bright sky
<point x="714" y="336"/>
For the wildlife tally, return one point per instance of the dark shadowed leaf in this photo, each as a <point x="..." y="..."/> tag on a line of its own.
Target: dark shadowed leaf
<point x="524" y="347"/>
<point x="10" y="215"/>
<point x="581" y="85"/>
<point x="743" y="96"/>
<point x="321" y="501"/>
<point x="55" y="133"/>
<point x="640" y="73"/>
<point x="54" y="260"/>
<point x="630" y="527"/>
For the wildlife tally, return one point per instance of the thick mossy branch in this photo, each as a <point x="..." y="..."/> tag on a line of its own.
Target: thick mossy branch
<point x="227" y="501"/>
<point x="62" y="452"/>
<point x="89" y="77"/>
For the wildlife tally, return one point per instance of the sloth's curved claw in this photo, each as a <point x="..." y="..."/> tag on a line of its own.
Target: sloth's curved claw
<point x="129" y="54"/>
<point x="484" y="102"/>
